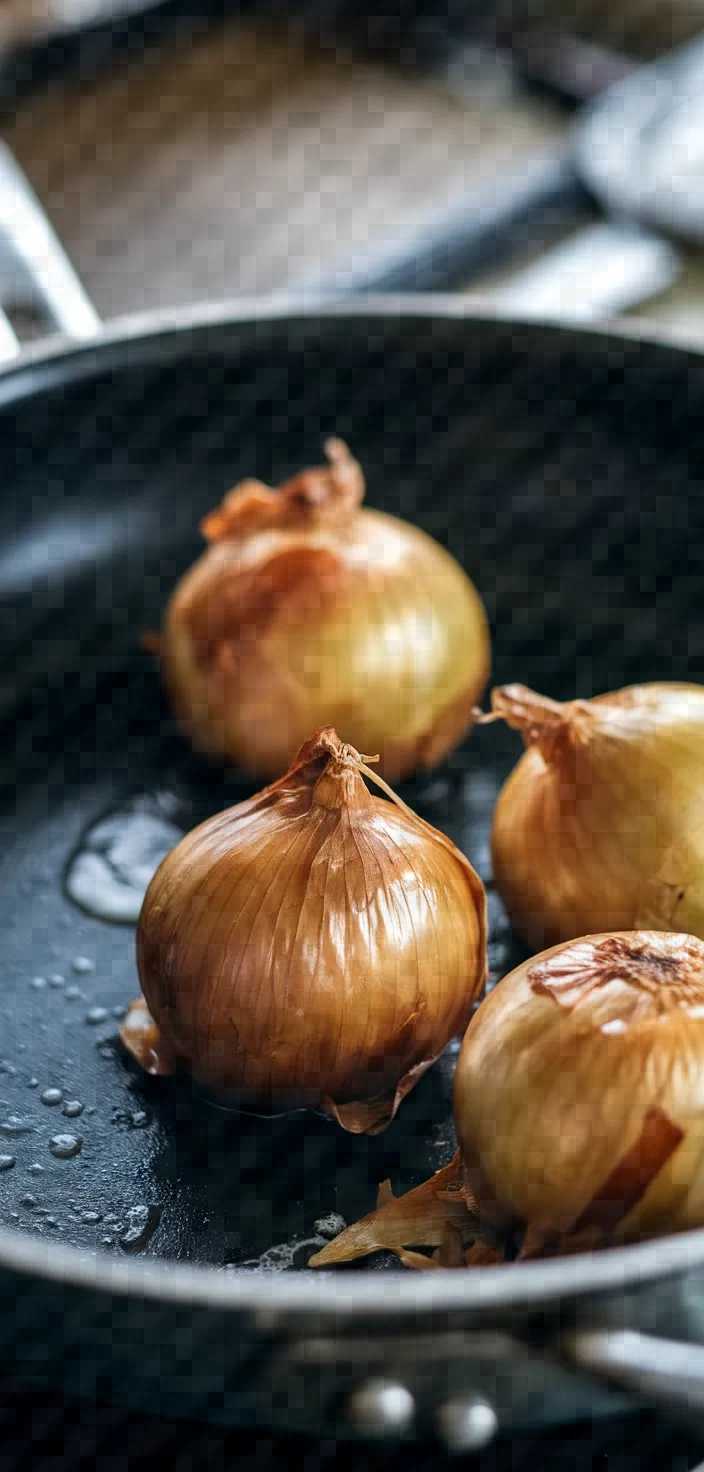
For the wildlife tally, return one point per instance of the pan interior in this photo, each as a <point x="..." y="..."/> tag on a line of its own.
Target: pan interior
<point x="564" y="472"/>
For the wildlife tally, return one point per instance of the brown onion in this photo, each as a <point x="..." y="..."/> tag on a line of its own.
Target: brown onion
<point x="316" y="945"/>
<point x="600" y="826"/>
<point x="307" y="610"/>
<point x="579" y="1108"/>
<point x="579" y="1092"/>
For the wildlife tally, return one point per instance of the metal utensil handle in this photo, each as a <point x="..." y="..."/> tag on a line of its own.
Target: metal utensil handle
<point x="34" y="266"/>
<point x="667" y="1372"/>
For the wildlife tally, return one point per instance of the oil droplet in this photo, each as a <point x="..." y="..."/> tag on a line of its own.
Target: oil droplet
<point x="96" y="1015"/>
<point x="16" y="1126"/>
<point x="72" y="1108"/>
<point x="64" y="1147"/>
<point x="82" y="965"/>
<point x="142" y="1222"/>
<point x="51" y="1096"/>
<point x="91" y="1218"/>
<point x="330" y="1226"/>
<point x="7" y="1162"/>
<point x="110" y="875"/>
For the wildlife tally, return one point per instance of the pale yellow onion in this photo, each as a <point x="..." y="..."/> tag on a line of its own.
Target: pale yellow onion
<point x="307" y="610"/>
<point x="601" y="824"/>
<point x="316" y="945"/>
<point x="579" y="1109"/>
<point x="579" y="1091"/>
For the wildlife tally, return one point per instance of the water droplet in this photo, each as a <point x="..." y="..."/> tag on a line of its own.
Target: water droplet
<point x="33" y="1083"/>
<point x="51" y="1096"/>
<point x="106" y="1052"/>
<point x="72" y="992"/>
<point x="14" y="1216"/>
<point x="35" y="1168"/>
<point x="96" y="1015"/>
<point x="110" y="875"/>
<point x="142" y="1222"/>
<point x="72" y="1108"/>
<point x="614" y="1027"/>
<point x="64" y="1147"/>
<point x="38" y="982"/>
<point x="7" y="1162"/>
<point x="107" y="1241"/>
<point x="82" y="965"/>
<point x="120" y="1011"/>
<point x="28" y="1200"/>
<point x="51" y="1221"/>
<point x="91" y="1218"/>
<point x="56" y="979"/>
<point x="138" y="1119"/>
<point x="330" y="1226"/>
<point x="9" y="1068"/>
<point x="16" y="1126"/>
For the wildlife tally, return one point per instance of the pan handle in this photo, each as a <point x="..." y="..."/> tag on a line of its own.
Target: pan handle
<point x="668" y="1372"/>
<point x="34" y="268"/>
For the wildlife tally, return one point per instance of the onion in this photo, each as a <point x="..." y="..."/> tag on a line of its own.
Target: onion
<point x="307" y="610"/>
<point x="579" y="1109"/>
<point x="600" y="826"/>
<point x="579" y="1092"/>
<point x="316" y="945"/>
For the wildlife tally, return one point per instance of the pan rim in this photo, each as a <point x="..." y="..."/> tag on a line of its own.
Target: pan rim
<point x="148" y="329"/>
<point x="328" y="1295"/>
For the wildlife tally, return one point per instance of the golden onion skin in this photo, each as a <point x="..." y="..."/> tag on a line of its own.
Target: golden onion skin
<point x="600" y="826"/>
<point x="307" y="610"/>
<point x="579" y="1091"/>
<point x="317" y="945"/>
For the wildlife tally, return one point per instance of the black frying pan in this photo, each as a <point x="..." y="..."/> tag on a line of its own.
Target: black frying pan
<point x="153" y="1246"/>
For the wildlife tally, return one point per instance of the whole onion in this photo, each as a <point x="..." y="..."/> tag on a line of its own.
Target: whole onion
<point x="579" y="1091"/>
<point x="317" y="945"/>
<point x="600" y="826"/>
<point x="307" y="610"/>
<point x="579" y="1109"/>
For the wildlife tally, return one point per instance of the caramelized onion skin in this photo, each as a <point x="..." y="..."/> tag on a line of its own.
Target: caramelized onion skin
<point x="600" y="826"/>
<point x="307" y="609"/>
<point x="579" y="1091"/>
<point x="316" y="945"/>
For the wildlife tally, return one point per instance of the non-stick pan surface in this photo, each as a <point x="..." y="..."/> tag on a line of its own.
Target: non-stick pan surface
<point x="563" y="469"/>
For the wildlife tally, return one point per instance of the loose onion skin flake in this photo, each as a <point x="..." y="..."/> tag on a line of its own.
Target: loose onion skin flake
<point x="579" y="1109"/>
<point x="307" y="609"/>
<point x="317" y="945"/>
<point x="600" y="826"/>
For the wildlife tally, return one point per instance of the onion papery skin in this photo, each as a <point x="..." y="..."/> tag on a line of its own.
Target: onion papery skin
<point x="316" y="945"/>
<point x="308" y="610"/>
<point x="585" y="1066"/>
<point x="600" y="826"/>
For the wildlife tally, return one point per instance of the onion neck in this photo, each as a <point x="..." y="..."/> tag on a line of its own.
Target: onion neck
<point x="554" y="726"/>
<point x="323" y="498"/>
